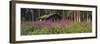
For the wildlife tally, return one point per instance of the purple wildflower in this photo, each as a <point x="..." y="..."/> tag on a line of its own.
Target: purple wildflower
<point x="48" y="23"/>
<point x="65" y="22"/>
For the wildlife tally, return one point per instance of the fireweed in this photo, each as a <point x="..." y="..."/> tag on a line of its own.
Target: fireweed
<point x="48" y="23"/>
<point x="54" y="27"/>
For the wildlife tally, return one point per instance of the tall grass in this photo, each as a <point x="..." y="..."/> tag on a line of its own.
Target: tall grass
<point x="49" y="27"/>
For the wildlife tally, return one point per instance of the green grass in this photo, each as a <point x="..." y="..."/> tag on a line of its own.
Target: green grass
<point x="83" y="27"/>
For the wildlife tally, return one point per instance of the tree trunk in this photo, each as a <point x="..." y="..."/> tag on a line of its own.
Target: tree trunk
<point x="32" y="16"/>
<point x="87" y="16"/>
<point x="75" y="16"/>
<point x="79" y="16"/>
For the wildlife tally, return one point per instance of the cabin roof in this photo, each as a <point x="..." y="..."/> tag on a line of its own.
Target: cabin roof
<point x="46" y="16"/>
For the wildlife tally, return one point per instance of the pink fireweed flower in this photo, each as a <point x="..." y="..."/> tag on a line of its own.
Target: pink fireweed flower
<point x="37" y="24"/>
<point x="65" y="22"/>
<point x="48" y="23"/>
<point x="45" y="23"/>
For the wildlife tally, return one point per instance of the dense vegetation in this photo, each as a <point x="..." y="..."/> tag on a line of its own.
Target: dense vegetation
<point x="56" y="28"/>
<point x="45" y="21"/>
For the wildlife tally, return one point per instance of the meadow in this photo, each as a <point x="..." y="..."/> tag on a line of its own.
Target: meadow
<point x="64" y="26"/>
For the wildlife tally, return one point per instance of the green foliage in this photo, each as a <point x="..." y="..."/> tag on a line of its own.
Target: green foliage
<point x="57" y="29"/>
<point x="43" y="30"/>
<point x="77" y="28"/>
<point x="26" y="29"/>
